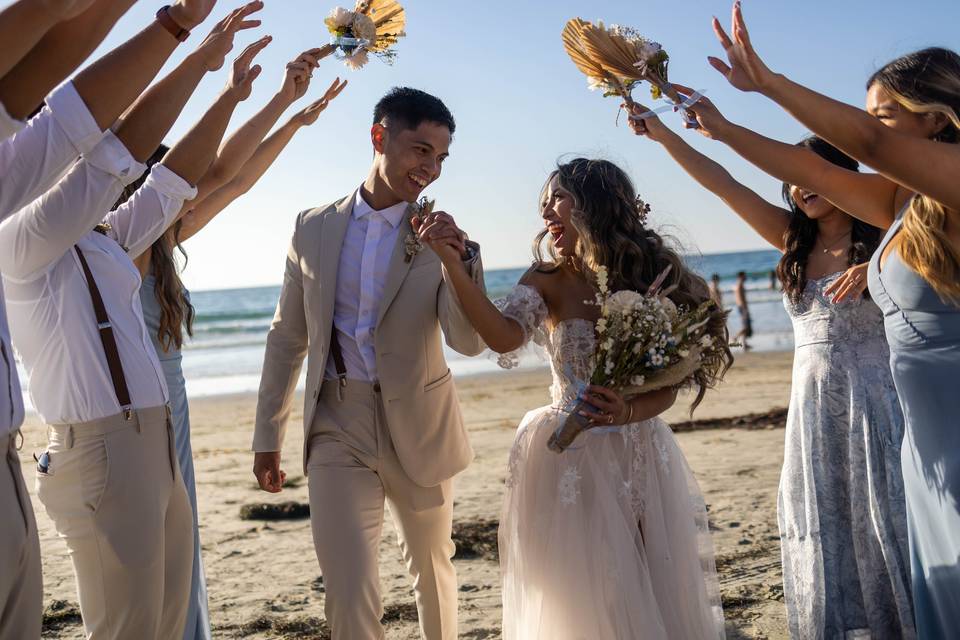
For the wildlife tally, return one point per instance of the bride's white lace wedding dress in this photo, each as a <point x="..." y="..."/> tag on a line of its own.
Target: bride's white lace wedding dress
<point x="608" y="540"/>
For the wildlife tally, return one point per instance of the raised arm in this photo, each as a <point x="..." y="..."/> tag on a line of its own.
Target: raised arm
<point x="137" y="223"/>
<point x="201" y="213"/>
<point x="902" y="158"/>
<point x="242" y="143"/>
<point x="867" y="196"/>
<point x="58" y="54"/>
<point x="23" y="24"/>
<point x="766" y="219"/>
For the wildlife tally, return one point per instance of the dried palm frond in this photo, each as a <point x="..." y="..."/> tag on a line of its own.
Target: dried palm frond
<point x="389" y="17"/>
<point x="617" y="58"/>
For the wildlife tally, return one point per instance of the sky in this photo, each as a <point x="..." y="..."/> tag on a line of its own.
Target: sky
<point x="521" y="106"/>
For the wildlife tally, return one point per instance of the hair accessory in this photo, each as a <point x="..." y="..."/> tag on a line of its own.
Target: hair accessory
<point x="643" y="209"/>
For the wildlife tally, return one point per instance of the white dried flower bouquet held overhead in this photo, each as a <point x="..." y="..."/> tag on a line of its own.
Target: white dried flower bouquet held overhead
<point x="373" y="26"/>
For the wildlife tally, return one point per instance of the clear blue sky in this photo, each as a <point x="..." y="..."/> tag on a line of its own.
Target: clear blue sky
<point x="520" y="104"/>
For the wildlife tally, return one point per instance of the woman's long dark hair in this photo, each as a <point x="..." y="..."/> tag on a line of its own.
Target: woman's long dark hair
<point x="176" y="312"/>
<point x="801" y="235"/>
<point x="613" y="234"/>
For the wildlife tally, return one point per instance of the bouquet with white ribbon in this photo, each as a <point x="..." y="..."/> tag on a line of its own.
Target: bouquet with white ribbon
<point x="373" y="26"/>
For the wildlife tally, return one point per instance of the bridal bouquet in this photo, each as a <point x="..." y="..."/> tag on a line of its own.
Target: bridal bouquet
<point x="644" y="343"/>
<point x="616" y="59"/>
<point x="373" y="26"/>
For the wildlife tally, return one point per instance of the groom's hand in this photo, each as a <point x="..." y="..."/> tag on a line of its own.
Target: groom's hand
<point x="266" y="466"/>
<point x="441" y="233"/>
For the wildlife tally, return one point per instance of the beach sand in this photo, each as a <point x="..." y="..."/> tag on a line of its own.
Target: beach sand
<point x="263" y="577"/>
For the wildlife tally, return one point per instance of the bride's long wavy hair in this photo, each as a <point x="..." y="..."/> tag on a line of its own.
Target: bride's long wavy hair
<point x="613" y="234"/>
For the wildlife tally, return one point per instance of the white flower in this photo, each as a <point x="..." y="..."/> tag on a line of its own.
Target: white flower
<point x="683" y="353"/>
<point x="602" y="279"/>
<point x="608" y="345"/>
<point x="341" y="17"/>
<point x="650" y="49"/>
<point x="358" y="59"/>
<point x="609" y="368"/>
<point x="657" y="360"/>
<point x="364" y="28"/>
<point x="625" y="301"/>
<point x="637" y="348"/>
<point x="637" y="381"/>
<point x="601" y="325"/>
<point x="706" y="341"/>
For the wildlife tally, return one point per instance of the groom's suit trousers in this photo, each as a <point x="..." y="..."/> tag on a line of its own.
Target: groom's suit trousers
<point x="352" y="468"/>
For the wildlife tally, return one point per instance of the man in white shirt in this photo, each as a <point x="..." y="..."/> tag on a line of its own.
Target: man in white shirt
<point x="37" y="239"/>
<point x="31" y="161"/>
<point x="366" y="303"/>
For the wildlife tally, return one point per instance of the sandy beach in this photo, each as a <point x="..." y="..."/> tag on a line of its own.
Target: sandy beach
<point x="263" y="578"/>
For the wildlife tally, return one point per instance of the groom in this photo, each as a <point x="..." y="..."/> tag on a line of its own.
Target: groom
<point x="366" y="303"/>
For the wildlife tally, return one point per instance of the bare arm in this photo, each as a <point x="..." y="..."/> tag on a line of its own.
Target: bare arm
<point x="766" y="219"/>
<point x="22" y="25"/>
<point x="57" y="54"/>
<point x="867" y="196"/>
<point x="903" y="159"/>
<point x="253" y="169"/>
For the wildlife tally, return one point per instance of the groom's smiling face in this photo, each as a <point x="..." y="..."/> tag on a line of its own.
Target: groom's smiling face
<point x="410" y="159"/>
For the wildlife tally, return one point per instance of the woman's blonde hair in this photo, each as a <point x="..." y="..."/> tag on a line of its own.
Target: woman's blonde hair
<point x="928" y="82"/>
<point x="610" y="222"/>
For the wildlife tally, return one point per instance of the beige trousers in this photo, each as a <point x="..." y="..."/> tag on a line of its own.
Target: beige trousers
<point x="21" y="586"/>
<point x="114" y="492"/>
<point x="352" y="468"/>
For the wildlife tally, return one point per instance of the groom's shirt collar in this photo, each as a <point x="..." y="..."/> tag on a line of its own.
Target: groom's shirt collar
<point x="393" y="215"/>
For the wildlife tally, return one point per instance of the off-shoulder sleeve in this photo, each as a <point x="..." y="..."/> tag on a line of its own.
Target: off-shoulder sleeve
<point x="526" y="307"/>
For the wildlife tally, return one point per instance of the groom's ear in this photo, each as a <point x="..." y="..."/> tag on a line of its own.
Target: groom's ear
<point x="378" y="137"/>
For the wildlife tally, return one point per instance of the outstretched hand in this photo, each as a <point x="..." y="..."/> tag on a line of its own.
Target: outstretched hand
<point x="309" y="114"/>
<point x="711" y="121"/>
<point x="851" y="285"/>
<point x="266" y="467"/>
<point x="650" y="127"/>
<point x="746" y="70"/>
<point x="219" y="42"/>
<point x="241" y="80"/>
<point x="299" y="72"/>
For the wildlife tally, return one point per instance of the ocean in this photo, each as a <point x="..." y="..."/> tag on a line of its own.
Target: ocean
<point x="229" y="332"/>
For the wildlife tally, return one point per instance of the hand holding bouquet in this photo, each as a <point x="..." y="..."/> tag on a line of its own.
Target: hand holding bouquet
<point x="644" y="343"/>
<point x="373" y="26"/>
<point x="616" y="59"/>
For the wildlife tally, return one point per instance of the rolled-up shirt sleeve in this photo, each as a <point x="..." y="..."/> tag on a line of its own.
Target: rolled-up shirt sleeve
<point x="8" y="124"/>
<point x="38" y="235"/>
<point x="137" y="223"/>
<point x="36" y="156"/>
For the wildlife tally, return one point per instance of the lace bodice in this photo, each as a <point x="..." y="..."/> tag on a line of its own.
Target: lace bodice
<point x="570" y="344"/>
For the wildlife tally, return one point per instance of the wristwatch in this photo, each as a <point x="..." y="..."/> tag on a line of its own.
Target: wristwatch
<point x="168" y="23"/>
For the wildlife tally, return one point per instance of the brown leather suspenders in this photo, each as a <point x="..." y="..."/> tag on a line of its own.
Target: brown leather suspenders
<point x="105" y="328"/>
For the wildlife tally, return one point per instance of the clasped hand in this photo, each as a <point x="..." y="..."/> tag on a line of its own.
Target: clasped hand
<point x="439" y="231"/>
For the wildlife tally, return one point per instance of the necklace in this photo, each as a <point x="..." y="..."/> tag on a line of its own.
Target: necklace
<point x="833" y="245"/>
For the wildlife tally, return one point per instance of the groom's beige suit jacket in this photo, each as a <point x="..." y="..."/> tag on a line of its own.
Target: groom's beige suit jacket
<point x="419" y="399"/>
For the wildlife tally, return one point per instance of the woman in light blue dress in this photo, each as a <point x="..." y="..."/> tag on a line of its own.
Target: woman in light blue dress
<point x="841" y="510"/>
<point x="910" y="133"/>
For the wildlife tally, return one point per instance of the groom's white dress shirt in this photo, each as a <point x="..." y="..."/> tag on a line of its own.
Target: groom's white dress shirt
<point x="33" y="156"/>
<point x="362" y="272"/>
<point x="51" y="316"/>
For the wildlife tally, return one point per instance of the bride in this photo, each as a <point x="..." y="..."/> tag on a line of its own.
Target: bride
<point x="607" y="540"/>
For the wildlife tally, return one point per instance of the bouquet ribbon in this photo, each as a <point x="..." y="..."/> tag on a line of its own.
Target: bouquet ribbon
<point x="693" y="99"/>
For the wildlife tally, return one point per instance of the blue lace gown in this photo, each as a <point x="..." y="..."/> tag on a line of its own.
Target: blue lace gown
<point x="198" y="617"/>
<point x="841" y="504"/>
<point x="924" y="336"/>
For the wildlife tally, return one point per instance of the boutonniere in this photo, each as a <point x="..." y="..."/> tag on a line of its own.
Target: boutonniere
<point x="419" y="210"/>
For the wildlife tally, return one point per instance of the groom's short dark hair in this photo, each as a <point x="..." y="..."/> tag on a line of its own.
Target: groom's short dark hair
<point x="410" y="107"/>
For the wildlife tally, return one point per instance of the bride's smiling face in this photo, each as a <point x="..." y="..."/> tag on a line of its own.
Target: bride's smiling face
<point x="556" y="209"/>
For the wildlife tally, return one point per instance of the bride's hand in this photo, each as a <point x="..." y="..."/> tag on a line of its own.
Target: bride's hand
<point x="746" y="70"/>
<point x="850" y="285"/>
<point x="612" y="409"/>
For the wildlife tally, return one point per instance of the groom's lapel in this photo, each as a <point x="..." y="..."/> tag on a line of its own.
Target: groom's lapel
<point x="399" y="267"/>
<point x="331" y="242"/>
